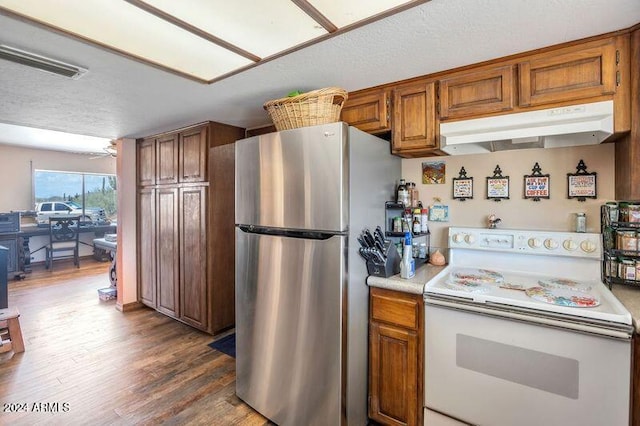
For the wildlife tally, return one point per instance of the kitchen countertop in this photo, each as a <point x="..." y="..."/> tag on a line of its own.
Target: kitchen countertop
<point x="630" y="298"/>
<point x="415" y="285"/>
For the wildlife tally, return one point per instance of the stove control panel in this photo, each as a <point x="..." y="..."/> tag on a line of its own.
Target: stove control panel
<point x="527" y="241"/>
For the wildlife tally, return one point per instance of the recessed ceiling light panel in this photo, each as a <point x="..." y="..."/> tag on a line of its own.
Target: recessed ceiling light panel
<point x="40" y="62"/>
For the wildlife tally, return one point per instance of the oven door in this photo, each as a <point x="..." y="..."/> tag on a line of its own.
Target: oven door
<point x="489" y="370"/>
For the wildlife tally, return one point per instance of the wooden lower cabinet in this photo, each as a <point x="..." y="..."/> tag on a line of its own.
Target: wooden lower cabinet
<point x="396" y="352"/>
<point x="147" y="246"/>
<point x="167" y="251"/>
<point x="193" y="254"/>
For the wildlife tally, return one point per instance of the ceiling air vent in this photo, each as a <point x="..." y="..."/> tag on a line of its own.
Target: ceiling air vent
<point x="41" y="63"/>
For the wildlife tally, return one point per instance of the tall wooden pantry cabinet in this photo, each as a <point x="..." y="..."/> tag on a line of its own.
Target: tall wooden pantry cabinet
<point x="186" y="224"/>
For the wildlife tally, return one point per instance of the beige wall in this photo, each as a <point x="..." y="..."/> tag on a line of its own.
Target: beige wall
<point x="554" y="214"/>
<point x="17" y="164"/>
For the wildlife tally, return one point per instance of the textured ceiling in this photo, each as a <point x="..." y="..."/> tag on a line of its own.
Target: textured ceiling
<point x="123" y="98"/>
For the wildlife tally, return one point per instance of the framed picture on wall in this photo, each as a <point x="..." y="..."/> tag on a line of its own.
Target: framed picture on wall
<point x="536" y="185"/>
<point x="497" y="186"/>
<point x="462" y="186"/>
<point x="582" y="184"/>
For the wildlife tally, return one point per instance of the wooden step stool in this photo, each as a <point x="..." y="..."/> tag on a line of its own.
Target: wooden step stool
<point x="10" y="332"/>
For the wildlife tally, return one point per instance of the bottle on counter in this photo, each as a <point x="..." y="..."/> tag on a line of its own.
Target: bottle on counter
<point x="424" y="221"/>
<point x="402" y="194"/>
<point x="407" y="265"/>
<point x="413" y="194"/>
<point x="417" y="227"/>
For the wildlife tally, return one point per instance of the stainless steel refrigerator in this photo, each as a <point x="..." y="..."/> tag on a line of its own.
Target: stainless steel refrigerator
<point x="302" y="197"/>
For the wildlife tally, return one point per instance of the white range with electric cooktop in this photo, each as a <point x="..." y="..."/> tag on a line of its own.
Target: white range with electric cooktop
<point x="520" y="330"/>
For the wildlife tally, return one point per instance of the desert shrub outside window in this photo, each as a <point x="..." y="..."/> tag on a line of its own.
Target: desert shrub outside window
<point x="83" y="192"/>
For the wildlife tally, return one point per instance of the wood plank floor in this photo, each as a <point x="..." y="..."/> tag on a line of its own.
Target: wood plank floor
<point x="85" y="363"/>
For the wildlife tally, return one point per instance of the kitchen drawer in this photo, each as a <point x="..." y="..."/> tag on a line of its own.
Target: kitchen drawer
<point x="396" y="308"/>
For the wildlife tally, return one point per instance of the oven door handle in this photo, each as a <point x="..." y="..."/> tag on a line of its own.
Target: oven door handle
<point x="625" y="334"/>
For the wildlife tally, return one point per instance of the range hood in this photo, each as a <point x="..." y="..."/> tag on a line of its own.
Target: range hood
<point x="586" y="124"/>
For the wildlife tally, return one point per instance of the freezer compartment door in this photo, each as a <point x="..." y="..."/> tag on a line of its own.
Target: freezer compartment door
<point x="288" y="327"/>
<point x="294" y="179"/>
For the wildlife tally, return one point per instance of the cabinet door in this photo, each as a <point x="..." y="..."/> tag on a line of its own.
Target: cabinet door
<point x="369" y="111"/>
<point x="477" y="93"/>
<point x="393" y="358"/>
<point x="193" y="155"/>
<point x="168" y="249"/>
<point x="147" y="246"/>
<point x="193" y="256"/>
<point x="167" y="159"/>
<point x="146" y="162"/>
<point x="414" y="118"/>
<point x="583" y="71"/>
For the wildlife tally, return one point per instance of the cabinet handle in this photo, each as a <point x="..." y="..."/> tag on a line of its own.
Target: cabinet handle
<point x="617" y="78"/>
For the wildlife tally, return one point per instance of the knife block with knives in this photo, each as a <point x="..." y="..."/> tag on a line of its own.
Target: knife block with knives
<point x="391" y="265"/>
<point x="382" y="256"/>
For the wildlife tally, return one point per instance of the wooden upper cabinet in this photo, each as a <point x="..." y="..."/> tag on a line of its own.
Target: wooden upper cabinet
<point x="369" y="111"/>
<point x="193" y="155"/>
<point x="147" y="162"/>
<point x="583" y="71"/>
<point x="414" y="116"/>
<point x="477" y="92"/>
<point x="167" y="159"/>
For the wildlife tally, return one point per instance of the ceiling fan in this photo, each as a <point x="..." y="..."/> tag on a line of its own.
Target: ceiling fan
<point x="109" y="151"/>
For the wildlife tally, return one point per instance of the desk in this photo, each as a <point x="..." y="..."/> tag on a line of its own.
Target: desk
<point x="24" y="255"/>
<point x="111" y="246"/>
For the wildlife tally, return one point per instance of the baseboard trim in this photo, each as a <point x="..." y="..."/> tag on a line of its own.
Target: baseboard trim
<point x="128" y="307"/>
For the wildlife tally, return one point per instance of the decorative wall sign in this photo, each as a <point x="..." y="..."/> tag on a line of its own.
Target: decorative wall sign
<point x="462" y="186"/>
<point x="536" y="185"/>
<point x="433" y="172"/>
<point x="497" y="186"/>
<point x="581" y="184"/>
<point x="438" y="213"/>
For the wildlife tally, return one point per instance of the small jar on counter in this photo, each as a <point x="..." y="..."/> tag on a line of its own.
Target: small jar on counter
<point x="581" y="222"/>
<point x="422" y="251"/>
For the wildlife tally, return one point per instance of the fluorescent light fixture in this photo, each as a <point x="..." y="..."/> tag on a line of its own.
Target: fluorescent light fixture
<point x="40" y="62"/>
<point x="204" y="40"/>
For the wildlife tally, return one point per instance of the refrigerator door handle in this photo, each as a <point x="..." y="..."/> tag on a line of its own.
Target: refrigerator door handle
<point x="292" y="233"/>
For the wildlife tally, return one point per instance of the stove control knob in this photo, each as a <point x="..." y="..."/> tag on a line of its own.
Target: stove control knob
<point x="470" y="239"/>
<point x="569" y="245"/>
<point x="457" y="238"/>
<point x="550" y="244"/>
<point x="534" y="243"/>
<point x="588" y="246"/>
